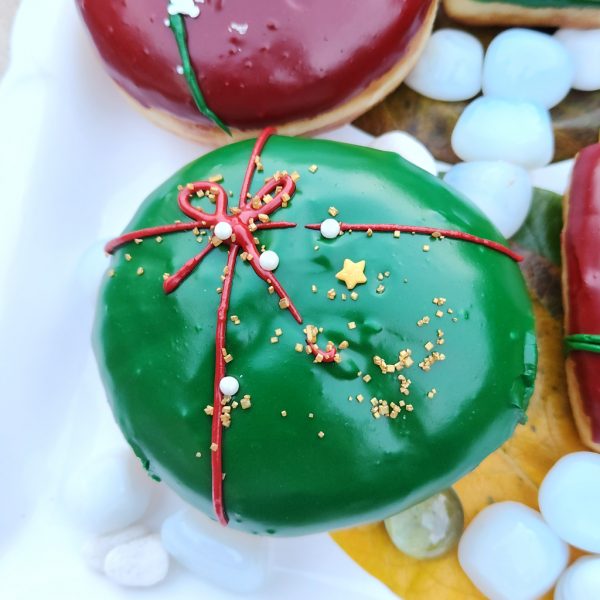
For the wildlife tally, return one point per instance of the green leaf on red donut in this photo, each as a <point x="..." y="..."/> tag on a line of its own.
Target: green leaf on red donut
<point x="308" y="455"/>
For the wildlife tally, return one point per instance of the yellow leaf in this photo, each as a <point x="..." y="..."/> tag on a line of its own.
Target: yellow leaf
<point x="514" y="472"/>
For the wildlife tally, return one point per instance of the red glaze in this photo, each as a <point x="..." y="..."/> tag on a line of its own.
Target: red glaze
<point x="455" y="235"/>
<point x="298" y="58"/>
<point x="581" y="253"/>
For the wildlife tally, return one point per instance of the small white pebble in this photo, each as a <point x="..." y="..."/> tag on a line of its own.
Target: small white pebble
<point x="449" y="68"/>
<point x="225" y="557"/>
<point x="503" y="192"/>
<point x="229" y="386"/>
<point x="408" y="147"/>
<point x="95" y="549"/>
<point x="330" y="229"/>
<point x="223" y="230"/>
<point x="526" y="65"/>
<point x="109" y="492"/>
<point x="510" y="130"/>
<point x="569" y="500"/>
<point x="583" y="46"/>
<point x="581" y="581"/>
<point x="269" y="260"/>
<point x="509" y="553"/>
<point x="139" y="563"/>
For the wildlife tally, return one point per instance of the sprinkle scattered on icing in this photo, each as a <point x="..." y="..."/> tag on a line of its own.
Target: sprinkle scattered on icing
<point x="353" y="273"/>
<point x="241" y="28"/>
<point x="184" y="7"/>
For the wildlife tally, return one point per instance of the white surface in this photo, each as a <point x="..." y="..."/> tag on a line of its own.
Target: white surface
<point x="502" y="191"/>
<point x="75" y="162"/>
<point x="228" y="558"/>
<point x="450" y="67"/>
<point x="510" y="130"/>
<point x="509" y="553"/>
<point x="109" y="492"/>
<point x="569" y="500"/>
<point x="583" y="47"/>
<point x="523" y="64"/>
<point x="581" y="581"/>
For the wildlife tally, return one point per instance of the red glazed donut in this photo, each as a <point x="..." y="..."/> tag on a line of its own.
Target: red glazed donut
<point x="302" y="65"/>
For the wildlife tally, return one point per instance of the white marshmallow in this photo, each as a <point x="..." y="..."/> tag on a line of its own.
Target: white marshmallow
<point x="583" y="46"/>
<point x="408" y="147"/>
<point x="95" y="549"/>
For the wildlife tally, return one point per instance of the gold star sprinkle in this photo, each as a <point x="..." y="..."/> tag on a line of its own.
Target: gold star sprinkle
<point x="353" y="273"/>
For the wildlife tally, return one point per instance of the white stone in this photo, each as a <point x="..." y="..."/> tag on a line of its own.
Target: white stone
<point x="227" y="558"/>
<point x="522" y="64"/>
<point x="569" y="500"/>
<point x="583" y="46"/>
<point x="229" y="386"/>
<point x="223" y="230"/>
<point x="330" y="229"/>
<point x="110" y="492"/>
<point x="95" y="549"/>
<point x="449" y="68"/>
<point x="509" y="553"/>
<point x="581" y="581"/>
<point x="139" y="563"/>
<point x="513" y="131"/>
<point x="183" y="7"/>
<point x="269" y="260"/>
<point x="503" y="192"/>
<point x="408" y="147"/>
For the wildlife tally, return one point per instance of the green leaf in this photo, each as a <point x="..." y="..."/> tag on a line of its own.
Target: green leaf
<point x="540" y="233"/>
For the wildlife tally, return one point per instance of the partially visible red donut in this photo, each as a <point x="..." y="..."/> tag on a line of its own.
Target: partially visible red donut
<point x="302" y="65"/>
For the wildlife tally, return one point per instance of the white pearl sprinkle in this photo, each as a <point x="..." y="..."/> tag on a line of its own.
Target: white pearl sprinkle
<point x="269" y="260"/>
<point x="229" y="386"/>
<point x="330" y="229"/>
<point x="223" y="230"/>
<point x="183" y="7"/>
<point x="180" y="70"/>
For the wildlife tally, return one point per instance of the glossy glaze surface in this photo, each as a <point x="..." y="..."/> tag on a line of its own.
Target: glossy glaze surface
<point x="295" y="60"/>
<point x="581" y="243"/>
<point x="156" y="352"/>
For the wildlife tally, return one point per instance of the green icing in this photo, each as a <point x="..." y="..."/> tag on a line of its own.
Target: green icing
<point x="156" y="352"/>
<point x="584" y="342"/>
<point x="547" y="3"/>
<point x="177" y="24"/>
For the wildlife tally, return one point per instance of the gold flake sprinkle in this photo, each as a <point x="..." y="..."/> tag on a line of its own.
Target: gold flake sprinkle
<point x="158" y="239"/>
<point x="128" y="257"/>
<point x="321" y="434"/>
<point x="369" y="232"/>
<point x="439" y="314"/>
<point x="138" y="241"/>
<point x="271" y="289"/>
<point x="313" y="168"/>
<point x="140" y="271"/>
<point x="215" y="178"/>
<point x="333" y="211"/>
<point x="380" y="289"/>
<point x="331" y="294"/>
<point x="284" y="303"/>
<point x="198" y="454"/>
<point x="313" y="288"/>
<point x="111" y="273"/>
<point x="245" y="403"/>
<point x="299" y="348"/>
<point x="354" y="295"/>
<point x="166" y="276"/>
<point x="426" y="248"/>
<point x="366" y="378"/>
<point x="396" y="234"/>
<point x="295" y="176"/>
<point x="429" y="346"/>
<point x="274" y="340"/>
<point x="343" y="345"/>
<point x="352" y="325"/>
<point x="259" y="165"/>
<point x="284" y="413"/>
<point x="278" y="332"/>
<point x="214" y="447"/>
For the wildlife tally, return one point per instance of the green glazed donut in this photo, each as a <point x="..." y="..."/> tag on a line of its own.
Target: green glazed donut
<point x="384" y="395"/>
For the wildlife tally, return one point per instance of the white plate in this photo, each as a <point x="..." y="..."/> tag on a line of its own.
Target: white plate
<point x="75" y="161"/>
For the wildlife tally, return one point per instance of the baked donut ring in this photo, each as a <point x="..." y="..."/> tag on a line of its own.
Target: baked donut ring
<point x="583" y="14"/>
<point x="320" y="348"/>
<point x="581" y="293"/>
<point x="239" y="66"/>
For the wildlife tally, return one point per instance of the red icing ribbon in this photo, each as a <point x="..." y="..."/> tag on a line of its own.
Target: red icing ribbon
<point x="417" y="229"/>
<point x="242" y="238"/>
<point x="241" y="221"/>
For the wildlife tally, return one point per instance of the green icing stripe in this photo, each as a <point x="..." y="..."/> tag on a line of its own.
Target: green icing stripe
<point x="177" y="25"/>
<point x="547" y="3"/>
<point x="584" y="342"/>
